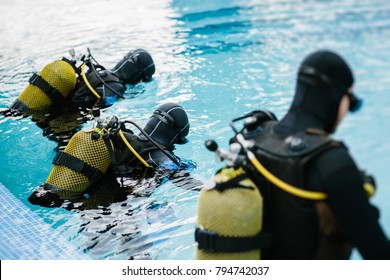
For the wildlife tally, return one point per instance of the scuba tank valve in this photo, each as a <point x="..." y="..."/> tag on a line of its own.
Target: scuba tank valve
<point x="72" y="54"/>
<point x="232" y="157"/>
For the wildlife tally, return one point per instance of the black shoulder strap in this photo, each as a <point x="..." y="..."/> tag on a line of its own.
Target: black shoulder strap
<point x="107" y="142"/>
<point x="327" y="144"/>
<point x="213" y="242"/>
<point x="77" y="165"/>
<point x="55" y="96"/>
<point x="294" y="146"/>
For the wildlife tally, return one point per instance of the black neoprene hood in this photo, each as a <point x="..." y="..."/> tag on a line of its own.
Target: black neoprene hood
<point x="169" y="125"/>
<point x="316" y="101"/>
<point x="136" y="66"/>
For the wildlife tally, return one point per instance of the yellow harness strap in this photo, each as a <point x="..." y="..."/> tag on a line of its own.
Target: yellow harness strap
<point x="132" y="149"/>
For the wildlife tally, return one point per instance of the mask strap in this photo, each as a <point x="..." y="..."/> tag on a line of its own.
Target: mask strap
<point x="169" y="120"/>
<point x="141" y="71"/>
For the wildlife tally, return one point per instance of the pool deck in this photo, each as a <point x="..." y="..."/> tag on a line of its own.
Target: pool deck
<point x="25" y="236"/>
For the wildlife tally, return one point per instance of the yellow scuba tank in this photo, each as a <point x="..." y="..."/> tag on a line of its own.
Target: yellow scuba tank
<point x="85" y="159"/>
<point x="229" y="222"/>
<point x="51" y="86"/>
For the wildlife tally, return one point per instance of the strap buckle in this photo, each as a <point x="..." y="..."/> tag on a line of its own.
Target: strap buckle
<point x="207" y="240"/>
<point x="58" y="158"/>
<point x="33" y="78"/>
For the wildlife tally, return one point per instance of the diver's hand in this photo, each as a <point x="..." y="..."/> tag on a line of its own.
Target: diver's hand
<point x="368" y="183"/>
<point x="368" y="178"/>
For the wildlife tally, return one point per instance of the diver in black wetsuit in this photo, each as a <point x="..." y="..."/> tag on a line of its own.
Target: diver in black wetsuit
<point x="304" y="229"/>
<point x="109" y="85"/>
<point x="59" y="98"/>
<point x="141" y="162"/>
<point x="64" y="84"/>
<point x="168" y="126"/>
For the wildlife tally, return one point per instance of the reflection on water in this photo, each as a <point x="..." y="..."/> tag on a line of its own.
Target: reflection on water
<point x="218" y="59"/>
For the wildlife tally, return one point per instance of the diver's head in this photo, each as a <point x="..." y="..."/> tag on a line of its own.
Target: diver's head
<point x="135" y="67"/>
<point x="168" y="125"/>
<point x="324" y="78"/>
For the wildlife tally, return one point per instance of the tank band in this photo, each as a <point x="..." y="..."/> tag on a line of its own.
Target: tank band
<point x="213" y="242"/>
<point x="77" y="165"/>
<point x="54" y="95"/>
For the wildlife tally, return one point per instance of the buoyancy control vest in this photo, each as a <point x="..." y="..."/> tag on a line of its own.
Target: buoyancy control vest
<point x="292" y="220"/>
<point x="98" y="86"/>
<point x="295" y="223"/>
<point x="125" y="158"/>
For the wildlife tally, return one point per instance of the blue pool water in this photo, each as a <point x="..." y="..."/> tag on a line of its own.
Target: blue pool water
<point x="218" y="59"/>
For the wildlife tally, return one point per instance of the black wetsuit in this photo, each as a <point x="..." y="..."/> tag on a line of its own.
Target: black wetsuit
<point x="333" y="171"/>
<point x="337" y="174"/>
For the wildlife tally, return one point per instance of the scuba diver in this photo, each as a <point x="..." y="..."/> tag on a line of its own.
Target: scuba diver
<point x="305" y="197"/>
<point x="64" y="83"/>
<point x="60" y="96"/>
<point x="106" y="85"/>
<point x="168" y="126"/>
<point x="112" y="150"/>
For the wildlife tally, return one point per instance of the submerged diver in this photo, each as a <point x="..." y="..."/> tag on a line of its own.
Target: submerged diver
<point x="111" y="149"/>
<point x="315" y="199"/>
<point x="60" y="96"/>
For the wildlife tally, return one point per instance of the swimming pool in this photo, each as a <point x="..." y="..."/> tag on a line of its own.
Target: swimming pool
<point x="218" y="59"/>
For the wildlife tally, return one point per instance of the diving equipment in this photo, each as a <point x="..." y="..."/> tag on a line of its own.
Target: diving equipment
<point x="90" y="153"/>
<point x="230" y="208"/>
<point x="323" y="78"/>
<point x="236" y="198"/>
<point x="312" y="76"/>
<point x="85" y="159"/>
<point x="136" y="66"/>
<point x="255" y="154"/>
<point x="49" y="87"/>
<point x="99" y="86"/>
<point x="169" y="125"/>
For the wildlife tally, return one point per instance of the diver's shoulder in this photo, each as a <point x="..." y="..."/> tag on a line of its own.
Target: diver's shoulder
<point x="335" y="158"/>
